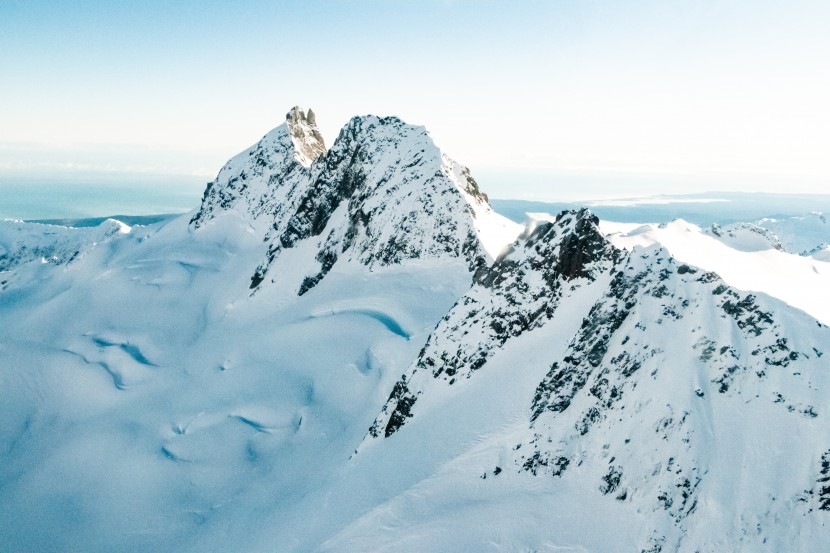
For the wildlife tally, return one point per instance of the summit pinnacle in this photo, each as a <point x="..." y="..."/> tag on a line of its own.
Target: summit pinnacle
<point x="308" y="142"/>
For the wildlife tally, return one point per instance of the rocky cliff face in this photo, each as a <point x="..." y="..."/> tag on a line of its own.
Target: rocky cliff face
<point x="519" y="292"/>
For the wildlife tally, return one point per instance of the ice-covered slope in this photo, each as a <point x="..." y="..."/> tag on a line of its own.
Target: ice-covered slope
<point x="426" y="392"/>
<point x="150" y="404"/>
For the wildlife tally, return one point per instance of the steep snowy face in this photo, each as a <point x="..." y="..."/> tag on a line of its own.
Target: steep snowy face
<point x="384" y="194"/>
<point x="262" y="182"/>
<point x="521" y="291"/>
<point x="658" y="400"/>
<point x="658" y="374"/>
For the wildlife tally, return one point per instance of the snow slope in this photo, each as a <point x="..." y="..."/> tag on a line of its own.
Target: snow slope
<point x="25" y="242"/>
<point x="646" y="385"/>
<point x="805" y="235"/>
<point x="405" y="371"/>
<point x="798" y="280"/>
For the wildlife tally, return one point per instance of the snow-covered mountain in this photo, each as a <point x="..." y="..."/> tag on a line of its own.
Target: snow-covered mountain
<point x="383" y="194"/>
<point x="25" y="242"/>
<point x="806" y="235"/>
<point x="640" y="397"/>
<point x="346" y="349"/>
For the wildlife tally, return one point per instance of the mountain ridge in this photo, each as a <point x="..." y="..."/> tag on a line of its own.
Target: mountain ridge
<point x="364" y="199"/>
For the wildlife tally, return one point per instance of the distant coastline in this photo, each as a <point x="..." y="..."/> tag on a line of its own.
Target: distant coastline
<point x="46" y="197"/>
<point x="82" y="199"/>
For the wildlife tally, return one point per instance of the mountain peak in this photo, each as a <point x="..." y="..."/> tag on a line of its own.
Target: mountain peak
<point x="306" y="137"/>
<point x="259" y="179"/>
<point x="382" y="195"/>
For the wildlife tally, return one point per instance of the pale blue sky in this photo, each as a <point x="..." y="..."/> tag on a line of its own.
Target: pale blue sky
<point x="680" y="96"/>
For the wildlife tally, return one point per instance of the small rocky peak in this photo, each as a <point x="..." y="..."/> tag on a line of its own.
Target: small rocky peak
<point x="567" y="248"/>
<point x="581" y="244"/>
<point x="581" y="217"/>
<point x="571" y="242"/>
<point x="259" y="179"/>
<point x="308" y="142"/>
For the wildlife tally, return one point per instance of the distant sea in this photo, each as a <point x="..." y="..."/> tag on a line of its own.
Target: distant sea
<point x="67" y="200"/>
<point x="701" y="209"/>
<point x="84" y="197"/>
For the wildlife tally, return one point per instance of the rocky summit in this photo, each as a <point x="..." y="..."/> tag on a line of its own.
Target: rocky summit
<point x="383" y="194"/>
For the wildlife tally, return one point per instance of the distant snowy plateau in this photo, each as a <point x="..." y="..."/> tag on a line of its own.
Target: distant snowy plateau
<point x="348" y="350"/>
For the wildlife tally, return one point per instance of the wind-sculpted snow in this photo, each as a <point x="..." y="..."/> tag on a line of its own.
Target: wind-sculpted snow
<point x="519" y="292"/>
<point x="383" y="318"/>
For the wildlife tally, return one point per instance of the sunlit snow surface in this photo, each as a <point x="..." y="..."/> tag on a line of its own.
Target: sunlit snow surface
<point x="149" y="403"/>
<point x="751" y="264"/>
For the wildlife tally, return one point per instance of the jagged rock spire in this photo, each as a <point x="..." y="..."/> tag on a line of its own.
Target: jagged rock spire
<point x="308" y="142"/>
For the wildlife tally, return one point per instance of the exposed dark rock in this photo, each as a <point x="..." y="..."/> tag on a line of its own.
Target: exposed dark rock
<point x="588" y="348"/>
<point x="823" y="481"/>
<point x="611" y="480"/>
<point x="540" y="463"/>
<point x="399" y="407"/>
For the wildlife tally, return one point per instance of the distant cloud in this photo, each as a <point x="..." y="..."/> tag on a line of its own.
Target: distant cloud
<point x="56" y="159"/>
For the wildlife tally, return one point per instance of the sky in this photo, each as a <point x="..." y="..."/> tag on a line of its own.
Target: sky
<point x="541" y="99"/>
